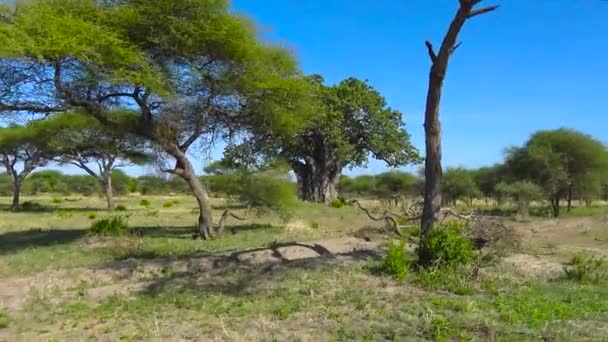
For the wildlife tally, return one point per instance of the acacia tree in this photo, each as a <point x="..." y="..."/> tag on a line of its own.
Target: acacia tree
<point x="561" y="161"/>
<point x="82" y="141"/>
<point x="432" y="127"/>
<point x="175" y="71"/>
<point x="352" y="122"/>
<point x="22" y="150"/>
<point x="458" y="183"/>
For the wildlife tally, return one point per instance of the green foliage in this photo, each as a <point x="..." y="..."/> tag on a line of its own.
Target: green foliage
<point x="457" y="183"/>
<point x="559" y="161"/>
<point x="522" y="192"/>
<point x="4" y="319"/>
<point x="120" y="207"/>
<point x="586" y="269"/>
<point x="395" y="183"/>
<point x="168" y="204"/>
<point x="145" y="202"/>
<point x="446" y="246"/>
<point x="57" y="200"/>
<point x="32" y="206"/>
<point x="397" y="262"/>
<point x="91" y="216"/>
<point x="338" y="203"/>
<point x="114" y="226"/>
<point x="270" y="189"/>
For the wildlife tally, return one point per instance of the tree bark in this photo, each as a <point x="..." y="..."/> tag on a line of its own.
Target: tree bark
<point x="106" y="183"/>
<point x="183" y="168"/>
<point x="555" y="206"/>
<point x="432" y="125"/>
<point x="318" y="179"/>
<point x="16" y="195"/>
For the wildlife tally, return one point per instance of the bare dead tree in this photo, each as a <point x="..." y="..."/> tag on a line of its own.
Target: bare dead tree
<point x="432" y="127"/>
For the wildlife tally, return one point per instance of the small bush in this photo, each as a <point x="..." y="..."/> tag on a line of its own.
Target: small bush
<point x="64" y="214"/>
<point x="446" y="246"/>
<point x="175" y="202"/>
<point x="151" y="213"/>
<point x="120" y="207"/>
<point x="145" y="203"/>
<point x="168" y="204"/>
<point x="396" y="262"/>
<point x="4" y="319"/>
<point x="585" y="269"/>
<point x="92" y="216"/>
<point x="57" y="200"/>
<point x="338" y="203"/>
<point x="31" y="206"/>
<point x="452" y="279"/>
<point x="115" y="226"/>
<point x="313" y="224"/>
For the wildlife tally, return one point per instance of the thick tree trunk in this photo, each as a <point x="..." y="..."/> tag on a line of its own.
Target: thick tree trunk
<point x="184" y="169"/>
<point x="106" y="183"/>
<point x="16" y="195"/>
<point x="318" y="179"/>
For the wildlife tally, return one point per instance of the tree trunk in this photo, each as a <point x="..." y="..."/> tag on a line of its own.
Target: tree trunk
<point x="432" y="125"/>
<point x="318" y="179"/>
<point x="555" y="206"/>
<point x="569" y="198"/>
<point x="184" y="169"/>
<point x="106" y="183"/>
<point x="16" y="194"/>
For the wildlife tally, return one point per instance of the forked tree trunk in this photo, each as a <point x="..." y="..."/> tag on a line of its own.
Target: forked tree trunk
<point x="432" y="125"/>
<point x="16" y="195"/>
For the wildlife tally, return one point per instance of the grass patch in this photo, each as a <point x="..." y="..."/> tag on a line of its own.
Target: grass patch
<point x="114" y="226"/>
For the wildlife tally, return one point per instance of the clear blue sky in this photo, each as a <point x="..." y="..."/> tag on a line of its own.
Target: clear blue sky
<point x="532" y="64"/>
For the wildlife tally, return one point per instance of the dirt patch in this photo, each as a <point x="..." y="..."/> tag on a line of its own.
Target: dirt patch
<point x="534" y="267"/>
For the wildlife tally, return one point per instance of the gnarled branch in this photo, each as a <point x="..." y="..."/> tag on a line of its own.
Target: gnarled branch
<point x="223" y="218"/>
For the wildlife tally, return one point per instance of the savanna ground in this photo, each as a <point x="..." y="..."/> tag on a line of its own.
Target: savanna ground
<point x="57" y="283"/>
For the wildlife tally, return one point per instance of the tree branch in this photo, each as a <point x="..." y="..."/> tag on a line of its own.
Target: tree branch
<point x="481" y="11"/>
<point x="432" y="53"/>
<point x="455" y="47"/>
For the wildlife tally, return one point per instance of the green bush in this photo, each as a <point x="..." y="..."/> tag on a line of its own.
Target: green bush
<point x="4" y="319"/>
<point x="145" y="203"/>
<point x="338" y="203"/>
<point x="92" y="216"/>
<point x="151" y="213"/>
<point x="453" y="279"/>
<point x="32" y="206"/>
<point x="313" y="224"/>
<point x="168" y="204"/>
<point x="396" y="262"/>
<point x="270" y="190"/>
<point x="115" y="226"/>
<point x="120" y="207"/>
<point x="585" y="269"/>
<point x="57" y="200"/>
<point x="446" y="246"/>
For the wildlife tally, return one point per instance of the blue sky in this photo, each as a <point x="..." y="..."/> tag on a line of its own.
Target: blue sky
<point x="532" y="64"/>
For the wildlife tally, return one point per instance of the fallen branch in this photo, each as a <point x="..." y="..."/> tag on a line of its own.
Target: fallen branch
<point x="388" y="217"/>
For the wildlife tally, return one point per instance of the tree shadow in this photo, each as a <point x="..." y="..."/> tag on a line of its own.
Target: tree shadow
<point x="235" y="206"/>
<point x="186" y="232"/>
<point x="33" y="207"/>
<point x="230" y="273"/>
<point x="13" y="242"/>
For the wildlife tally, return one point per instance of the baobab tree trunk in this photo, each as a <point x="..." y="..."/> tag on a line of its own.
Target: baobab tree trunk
<point x="317" y="179"/>
<point x="432" y="125"/>
<point x="183" y="168"/>
<point x="16" y="194"/>
<point x="106" y="183"/>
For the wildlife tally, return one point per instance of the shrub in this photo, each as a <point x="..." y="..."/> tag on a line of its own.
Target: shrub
<point x="585" y="269"/>
<point x="4" y="319"/>
<point x="396" y="262"/>
<point x="168" y="204"/>
<point x="338" y="203"/>
<point x="145" y="203"/>
<point x="57" y="200"/>
<point x="446" y="246"/>
<point x="120" y="207"/>
<point x="313" y="224"/>
<point x="64" y="214"/>
<point x="32" y="206"/>
<point x="115" y="226"/>
<point x="453" y="279"/>
<point x="92" y="216"/>
<point x="151" y="213"/>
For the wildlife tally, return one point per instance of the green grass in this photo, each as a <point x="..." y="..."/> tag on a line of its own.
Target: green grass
<point x="308" y="300"/>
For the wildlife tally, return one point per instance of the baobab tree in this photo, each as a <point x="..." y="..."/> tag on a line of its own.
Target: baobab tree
<point x="432" y="126"/>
